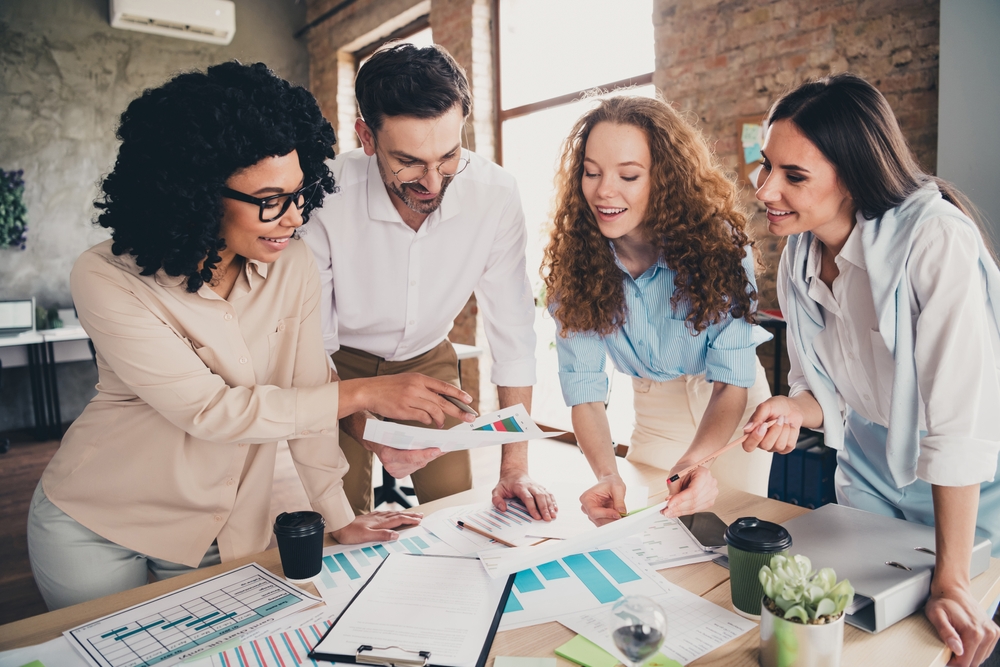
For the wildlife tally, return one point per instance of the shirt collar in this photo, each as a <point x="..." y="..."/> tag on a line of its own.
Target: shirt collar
<point x="853" y="251"/>
<point x="661" y="263"/>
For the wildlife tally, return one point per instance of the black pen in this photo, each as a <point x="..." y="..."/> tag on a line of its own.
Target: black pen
<point x="459" y="404"/>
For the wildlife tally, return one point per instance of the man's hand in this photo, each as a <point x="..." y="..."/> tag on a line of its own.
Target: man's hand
<point x="403" y="397"/>
<point x="605" y="501"/>
<point x="401" y="462"/>
<point x="962" y="625"/>
<point x="376" y="527"/>
<point x="517" y="484"/>
<point x="694" y="492"/>
<point x="781" y="436"/>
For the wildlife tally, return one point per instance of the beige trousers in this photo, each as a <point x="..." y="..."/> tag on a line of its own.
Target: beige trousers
<point x="443" y="476"/>
<point x="667" y="415"/>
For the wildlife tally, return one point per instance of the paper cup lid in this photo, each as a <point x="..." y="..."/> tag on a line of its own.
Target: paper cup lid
<point x="754" y="535"/>
<point x="298" y="524"/>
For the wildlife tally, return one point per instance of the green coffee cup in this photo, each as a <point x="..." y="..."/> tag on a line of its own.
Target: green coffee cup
<point x="752" y="542"/>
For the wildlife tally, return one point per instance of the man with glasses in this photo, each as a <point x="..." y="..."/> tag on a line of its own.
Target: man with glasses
<point x="417" y="225"/>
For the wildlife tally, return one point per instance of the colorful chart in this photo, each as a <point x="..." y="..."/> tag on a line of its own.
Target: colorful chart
<point x="578" y="582"/>
<point x="283" y="649"/>
<point x="508" y="425"/>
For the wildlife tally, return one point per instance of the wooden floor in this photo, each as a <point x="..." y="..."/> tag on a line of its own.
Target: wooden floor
<point x="22" y="466"/>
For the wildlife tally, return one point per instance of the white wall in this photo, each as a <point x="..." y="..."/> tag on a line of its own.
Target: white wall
<point x="969" y="104"/>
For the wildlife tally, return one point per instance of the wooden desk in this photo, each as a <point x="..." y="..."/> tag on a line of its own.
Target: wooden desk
<point x="911" y="642"/>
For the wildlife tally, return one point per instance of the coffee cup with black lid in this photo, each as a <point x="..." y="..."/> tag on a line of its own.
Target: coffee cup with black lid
<point x="752" y="543"/>
<point x="300" y="544"/>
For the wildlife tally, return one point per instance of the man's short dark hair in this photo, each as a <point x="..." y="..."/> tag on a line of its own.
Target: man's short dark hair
<point x="403" y="80"/>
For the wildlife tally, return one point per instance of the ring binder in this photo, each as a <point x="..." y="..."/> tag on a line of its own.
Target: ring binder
<point x="422" y="661"/>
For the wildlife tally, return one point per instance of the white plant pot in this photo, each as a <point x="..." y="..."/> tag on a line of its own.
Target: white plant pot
<point x="789" y="644"/>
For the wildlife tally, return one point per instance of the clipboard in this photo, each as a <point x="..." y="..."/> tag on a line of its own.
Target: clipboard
<point x="384" y="647"/>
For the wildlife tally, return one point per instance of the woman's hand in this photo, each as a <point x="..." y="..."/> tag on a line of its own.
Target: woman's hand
<point x="782" y="435"/>
<point x="605" y="501"/>
<point x="694" y="492"/>
<point x="404" y="397"/>
<point x="962" y="625"/>
<point x="376" y="527"/>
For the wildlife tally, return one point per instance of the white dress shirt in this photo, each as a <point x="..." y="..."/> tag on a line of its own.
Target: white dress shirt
<point x="395" y="293"/>
<point x="956" y="347"/>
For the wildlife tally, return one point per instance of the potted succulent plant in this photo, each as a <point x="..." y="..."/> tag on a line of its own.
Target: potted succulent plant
<point x="802" y="614"/>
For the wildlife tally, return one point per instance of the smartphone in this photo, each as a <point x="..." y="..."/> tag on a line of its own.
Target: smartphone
<point x="707" y="529"/>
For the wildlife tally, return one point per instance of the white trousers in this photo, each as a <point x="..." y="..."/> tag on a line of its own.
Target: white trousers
<point x="667" y="415"/>
<point x="73" y="564"/>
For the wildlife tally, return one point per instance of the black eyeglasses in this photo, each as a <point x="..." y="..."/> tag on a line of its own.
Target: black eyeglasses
<point x="275" y="206"/>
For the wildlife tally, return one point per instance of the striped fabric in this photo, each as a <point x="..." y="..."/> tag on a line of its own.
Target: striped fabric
<point x="656" y="343"/>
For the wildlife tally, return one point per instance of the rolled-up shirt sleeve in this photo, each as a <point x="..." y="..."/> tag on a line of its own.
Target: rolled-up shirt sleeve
<point x="582" y="359"/>
<point x="956" y="356"/>
<point x="504" y="295"/>
<point x="731" y="356"/>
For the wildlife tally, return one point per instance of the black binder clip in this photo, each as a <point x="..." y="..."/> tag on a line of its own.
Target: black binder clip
<point x="422" y="660"/>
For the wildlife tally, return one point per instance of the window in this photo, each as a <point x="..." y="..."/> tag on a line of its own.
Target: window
<point x="549" y="54"/>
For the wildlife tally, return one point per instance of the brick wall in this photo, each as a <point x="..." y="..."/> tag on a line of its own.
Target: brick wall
<point x="724" y="59"/>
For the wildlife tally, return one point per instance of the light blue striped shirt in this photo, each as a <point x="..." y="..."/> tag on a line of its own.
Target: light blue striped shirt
<point x="656" y="343"/>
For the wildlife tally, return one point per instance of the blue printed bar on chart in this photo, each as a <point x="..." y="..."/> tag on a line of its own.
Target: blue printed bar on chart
<point x="360" y="557"/>
<point x="615" y="566"/>
<point x="512" y="604"/>
<point x="592" y="578"/>
<point x="346" y="565"/>
<point x="369" y="551"/>
<point x="381" y="551"/>
<point x="526" y="581"/>
<point x="553" y="570"/>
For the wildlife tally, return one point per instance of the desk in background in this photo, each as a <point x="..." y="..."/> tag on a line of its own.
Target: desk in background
<point x="911" y="642"/>
<point x="40" y="351"/>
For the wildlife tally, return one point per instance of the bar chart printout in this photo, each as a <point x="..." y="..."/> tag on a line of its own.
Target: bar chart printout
<point x="282" y="649"/>
<point x="172" y="627"/>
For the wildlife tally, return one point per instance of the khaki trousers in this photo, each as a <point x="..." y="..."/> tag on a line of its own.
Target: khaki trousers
<point x="667" y="415"/>
<point x="441" y="477"/>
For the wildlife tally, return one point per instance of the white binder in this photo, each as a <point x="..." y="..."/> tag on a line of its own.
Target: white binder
<point x="888" y="561"/>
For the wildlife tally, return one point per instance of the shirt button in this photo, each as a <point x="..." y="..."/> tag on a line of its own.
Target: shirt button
<point x="218" y="517"/>
<point x="306" y="432"/>
<point x="324" y="432"/>
<point x="412" y="322"/>
<point x="281" y="327"/>
<point x="243" y="444"/>
<point x="243" y="360"/>
<point x="230" y="481"/>
<point x="413" y="283"/>
<point x="227" y="317"/>
<point x="867" y="397"/>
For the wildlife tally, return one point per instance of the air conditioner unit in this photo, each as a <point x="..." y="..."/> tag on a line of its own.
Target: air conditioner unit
<point x="211" y="21"/>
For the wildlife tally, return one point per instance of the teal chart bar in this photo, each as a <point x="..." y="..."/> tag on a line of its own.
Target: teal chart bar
<point x="592" y="578"/>
<point x="420" y="543"/>
<point x="615" y="566"/>
<point x="512" y="604"/>
<point x="381" y="551"/>
<point x="553" y="570"/>
<point x="369" y="551"/>
<point x="331" y="564"/>
<point x="413" y="548"/>
<point x="360" y="557"/>
<point x="346" y="564"/>
<point x="526" y="581"/>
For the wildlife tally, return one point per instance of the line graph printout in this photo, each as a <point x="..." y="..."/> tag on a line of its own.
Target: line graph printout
<point x="172" y="627"/>
<point x="665" y="544"/>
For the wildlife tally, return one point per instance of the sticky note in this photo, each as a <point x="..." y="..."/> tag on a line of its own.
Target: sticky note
<point x="507" y="661"/>
<point x="584" y="652"/>
<point x="34" y="663"/>
<point x="751" y="154"/>
<point x="751" y="134"/>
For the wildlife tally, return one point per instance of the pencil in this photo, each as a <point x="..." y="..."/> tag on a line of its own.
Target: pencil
<point x="462" y="524"/>
<point x="459" y="404"/>
<point x="737" y="441"/>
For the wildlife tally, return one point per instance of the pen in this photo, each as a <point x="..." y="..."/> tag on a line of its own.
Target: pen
<point x="737" y="441"/>
<point x="462" y="524"/>
<point x="459" y="404"/>
<point x="625" y="514"/>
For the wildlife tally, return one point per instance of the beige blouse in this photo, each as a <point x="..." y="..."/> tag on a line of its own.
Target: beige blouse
<point x="177" y="449"/>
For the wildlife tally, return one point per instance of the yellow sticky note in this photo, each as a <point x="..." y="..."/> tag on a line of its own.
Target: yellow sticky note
<point x="584" y="652"/>
<point x="34" y="663"/>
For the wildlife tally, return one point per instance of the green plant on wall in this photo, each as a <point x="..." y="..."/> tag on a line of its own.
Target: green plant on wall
<point x="13" y="214"/>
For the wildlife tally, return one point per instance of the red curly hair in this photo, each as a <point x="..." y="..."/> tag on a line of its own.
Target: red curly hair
<point x="692" y="218"/>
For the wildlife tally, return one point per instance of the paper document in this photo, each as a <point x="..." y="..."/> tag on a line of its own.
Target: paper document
<point x="511" y="424"/>
<point x="571" y="522"/>
<point x="442" y="604"/>
<point x="512" y="526"/>
<point x="53" y="653"/>
<point x="503" y="562"/>
<point x="278" y="649"/>
<point x="175" y="626"/>
<point x="666" y="544"/>
<point x="346" y="567"/>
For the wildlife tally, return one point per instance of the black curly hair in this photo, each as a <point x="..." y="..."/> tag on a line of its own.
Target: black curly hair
<point x="183" y="140"/>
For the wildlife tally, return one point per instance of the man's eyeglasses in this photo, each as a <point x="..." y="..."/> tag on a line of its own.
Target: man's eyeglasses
<point x="275" y="206"/>
<point x="447" y="168"/>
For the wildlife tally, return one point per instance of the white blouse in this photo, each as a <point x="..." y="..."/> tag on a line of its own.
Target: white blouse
<point x="957" y="348"/>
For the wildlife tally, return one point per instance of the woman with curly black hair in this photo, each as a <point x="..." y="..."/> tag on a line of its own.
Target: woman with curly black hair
<point x="204" y="312"/>
<point x="649" y="264"/>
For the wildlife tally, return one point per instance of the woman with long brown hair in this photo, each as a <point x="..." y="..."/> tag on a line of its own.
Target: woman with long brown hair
<point x="892" y="300"/>
<point x="649" y="262"/>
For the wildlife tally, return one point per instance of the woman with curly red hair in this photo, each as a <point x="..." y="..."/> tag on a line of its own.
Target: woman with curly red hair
<point x="649" y="264"/>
